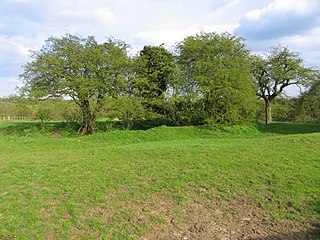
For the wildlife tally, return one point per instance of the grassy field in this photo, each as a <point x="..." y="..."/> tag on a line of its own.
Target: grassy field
<point x="236" y="182"/>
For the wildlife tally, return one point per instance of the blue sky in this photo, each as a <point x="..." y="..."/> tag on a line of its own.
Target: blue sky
<point x="25" y="24"/>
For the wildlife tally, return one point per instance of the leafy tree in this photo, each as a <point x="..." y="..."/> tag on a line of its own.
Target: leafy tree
<point x="309" y="102"/>
<point x="125" y="108"/>
<point x="56" y="108"/>
<point x="280" y="69"/>
<point x="154" y="68"/>
<point x="43" y="113"/>
<point x="16" y="106"/>
<point x="6" y="108"/>
<point x="283" y="109"/>
<point x="78" y="68"/>
<point x="215" y="73"/>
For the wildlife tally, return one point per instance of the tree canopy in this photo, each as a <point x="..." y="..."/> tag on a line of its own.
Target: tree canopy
<point x="273" y="74"/>
<point x="206" y="78"/>
<point x="309" y="102"/>
<point x="216" y="69"/>
<point x="153" y="67"/>
<point x="78" y="68"/>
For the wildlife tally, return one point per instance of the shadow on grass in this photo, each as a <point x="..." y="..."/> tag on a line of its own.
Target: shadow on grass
<point x="71" y="129"/>
<point x="130" y="125"/>
<point x="30" y="128"/>
<point x="290" y="128"/>
<point x="311" y="234"/>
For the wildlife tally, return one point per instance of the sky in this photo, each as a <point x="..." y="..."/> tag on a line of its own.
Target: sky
<point x="26" y="24"/>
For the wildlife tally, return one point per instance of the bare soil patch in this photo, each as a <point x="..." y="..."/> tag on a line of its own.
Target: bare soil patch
<point x="192" y="219"/>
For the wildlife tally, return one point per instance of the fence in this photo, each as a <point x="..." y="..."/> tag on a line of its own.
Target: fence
<point x="13" y="118"/>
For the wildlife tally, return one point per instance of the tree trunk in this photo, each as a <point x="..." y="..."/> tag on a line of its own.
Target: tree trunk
<point x="268" y="109"/>
<point x="89" y="124"/>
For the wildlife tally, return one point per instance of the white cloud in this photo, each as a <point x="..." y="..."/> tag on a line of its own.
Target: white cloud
<point x="25" y="24"/>
<point x="282" y="7"/>
<point x="277" y="6"/>
<point x="12" y="45"/>
<point x="298" y="6"/>
<point x="8" y="85"/>
<point x="255" y="14"/>
<point x="305" y="40"/>
<point x="280" y="18"/>
<point x="17" y="48"/>
<point x="307" y="45"/>
<point x="98" y="15"/>
<point x="171" y="36"/>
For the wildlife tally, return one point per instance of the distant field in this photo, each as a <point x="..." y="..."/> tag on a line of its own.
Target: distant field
<point x="236" y="182"/>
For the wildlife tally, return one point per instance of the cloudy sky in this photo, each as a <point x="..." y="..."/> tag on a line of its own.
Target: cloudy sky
<point x="25" y="24"/>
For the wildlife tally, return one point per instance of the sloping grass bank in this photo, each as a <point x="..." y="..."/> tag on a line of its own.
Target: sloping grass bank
<point x="156" y="183"/>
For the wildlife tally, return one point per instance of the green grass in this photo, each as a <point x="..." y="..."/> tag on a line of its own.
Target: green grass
<point x="113" y="184"/>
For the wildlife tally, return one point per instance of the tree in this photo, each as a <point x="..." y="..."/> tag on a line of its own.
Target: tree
<point x="273" y="74"/>
<point x="308" y="103"/>
<point x="16" y="106"/>
<point x="215" y="77"/>
<point x="78" y="68"/>
<point x="43" y="113"/>
<point x="154" y="68"/>
<point x="125" y="108"/>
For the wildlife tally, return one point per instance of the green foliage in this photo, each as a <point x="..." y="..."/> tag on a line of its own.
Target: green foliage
<point x="280" y="69"/>
<point x="309" y="103"/>
<point x="184" y="111"/>
<point x="215" y="78"/>
<point x="80" y="69"/>
<point x="124" y="108"/>
<point x="7" y="109"/>
<point x="43" y="114"/>
<point x="283" y="109"/>
<point x="154" y="69"/>
<point x="208" y="80"/>
<point x="15" y="106"/>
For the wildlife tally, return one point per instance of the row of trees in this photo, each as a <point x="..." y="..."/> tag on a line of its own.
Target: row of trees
<point x="15" y="107"/>
<point x="209" y="78"/>
<point x="306" y="107"/>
